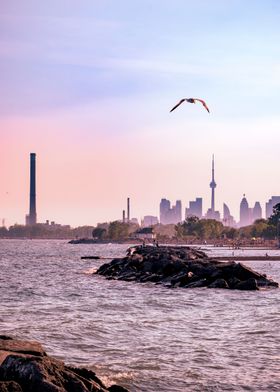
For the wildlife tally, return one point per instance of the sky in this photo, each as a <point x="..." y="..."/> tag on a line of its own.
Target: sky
<point x="88" y="87"/>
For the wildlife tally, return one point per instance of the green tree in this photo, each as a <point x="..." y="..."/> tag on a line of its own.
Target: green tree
<point x="274" y="219"/>
<point x="99" y="232"/>
<point x="3" y="232"/>
<point x="210" y="229"/>
<point x="190" y="227"/>
<point x="118" y="230"/>
<point x="259" y="228"/>
<point x="230" y="232"/>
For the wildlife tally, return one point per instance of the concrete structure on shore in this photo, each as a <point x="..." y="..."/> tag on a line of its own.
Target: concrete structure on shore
<point x="149" y="220"/>
<point x="31" y="218"/>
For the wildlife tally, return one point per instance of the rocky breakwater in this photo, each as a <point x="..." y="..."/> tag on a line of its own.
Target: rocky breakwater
<point x="25" y="367"/>
<point x="182" y="267"/>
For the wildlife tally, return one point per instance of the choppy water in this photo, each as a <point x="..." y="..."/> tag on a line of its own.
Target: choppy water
<point x="144" y="337"/>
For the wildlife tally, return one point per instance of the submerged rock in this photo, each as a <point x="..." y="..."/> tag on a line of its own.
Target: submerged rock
<point x="25" y="366"/>
<point x="182" y="267"/>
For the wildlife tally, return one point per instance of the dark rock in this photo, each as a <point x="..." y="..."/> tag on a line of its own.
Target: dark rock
<point x="25" y="367"/>
<point x="243" y="272"/>
<point x="198" y="283"/>
<point x="264" y="282"/>
<point x="182" y="267"/>
<point x="219" y="284"/>
<point x="250" y="284"/>
<point x="10" y="386"/>
<point x="232" y="282"/>
<point x="117" y="388"/>
<point x="151" y="278"/>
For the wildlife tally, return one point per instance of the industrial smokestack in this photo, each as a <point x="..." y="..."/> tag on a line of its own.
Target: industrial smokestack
<point x="123" y="216"/>
<point x="128" y="210"/>
<point x="32" y="217"/>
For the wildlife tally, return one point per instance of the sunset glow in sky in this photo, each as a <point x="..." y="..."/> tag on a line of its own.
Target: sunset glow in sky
<point x="88" y="85"/>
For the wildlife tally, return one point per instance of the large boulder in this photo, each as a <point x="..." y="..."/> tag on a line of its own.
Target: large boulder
<point x="249" y="284"/>
<point x="182" y="267"/>
<point x="25" y="366"/>
<point x="10" y="386"/>
<point x="219" y="284"/>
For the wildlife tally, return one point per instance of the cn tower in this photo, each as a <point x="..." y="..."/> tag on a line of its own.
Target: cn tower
<point x="213" y="186"/>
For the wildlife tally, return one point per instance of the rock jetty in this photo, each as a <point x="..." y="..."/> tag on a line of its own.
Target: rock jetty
<point x="182" y="267"/>
<point x="25" y="367"/>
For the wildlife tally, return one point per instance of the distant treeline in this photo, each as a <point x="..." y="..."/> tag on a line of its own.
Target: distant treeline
<point x="191" y="229"/>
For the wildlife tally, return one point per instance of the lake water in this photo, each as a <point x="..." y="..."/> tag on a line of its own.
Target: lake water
<point x="141" y="336"/>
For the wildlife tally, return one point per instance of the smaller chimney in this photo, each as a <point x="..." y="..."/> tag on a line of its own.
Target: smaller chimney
<point x="123" y="216"/>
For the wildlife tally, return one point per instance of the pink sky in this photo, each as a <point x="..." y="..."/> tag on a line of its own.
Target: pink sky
<point x="89" y="88"/>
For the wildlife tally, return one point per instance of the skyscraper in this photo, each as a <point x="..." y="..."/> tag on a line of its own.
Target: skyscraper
<point x="195" y="208"/>
<point x="228" y="219"/>
<point x="178" y="211"/>
<point x="270" y="204"/>
<point x="164" y="208"/>
<point x="170" y="215"/>
<point x="31" y="218"/>
<point x="257" y="211"/>
<point x="244" y="213"/>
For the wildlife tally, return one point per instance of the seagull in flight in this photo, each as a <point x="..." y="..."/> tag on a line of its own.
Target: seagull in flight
<point x="191" y="100"/>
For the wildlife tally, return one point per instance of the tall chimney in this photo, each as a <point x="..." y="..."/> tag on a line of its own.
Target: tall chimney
<point x="32" y="219"/>
<point x="123" y="216"/>
<point x="128" y="210"/>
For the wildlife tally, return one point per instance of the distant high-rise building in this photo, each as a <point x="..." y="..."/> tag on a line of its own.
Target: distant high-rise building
<point x="244" y="213"/>
<point x="170" y="215"/>
<point x="164" y="209"/>
<point x="134" y="220"/>
<point x="228" y="219"/>
<point x="178" y="211"/>
<point x="257" y="211"/>
<point x="270" y="204"/>
<point x="195" y="208"/>
<point x="149" y="220"/>
<point x="31" y="218"/>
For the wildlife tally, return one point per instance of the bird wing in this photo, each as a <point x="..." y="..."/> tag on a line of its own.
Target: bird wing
<point x="179" y="103"/>
<point x="203" y="103"/>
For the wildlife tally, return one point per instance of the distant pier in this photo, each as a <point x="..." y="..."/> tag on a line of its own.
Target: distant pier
<point x="248" y="258"/>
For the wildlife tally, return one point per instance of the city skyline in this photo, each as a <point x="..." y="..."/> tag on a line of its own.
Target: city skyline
<point x="168" y="213"/>
<point x="89" y="88"/>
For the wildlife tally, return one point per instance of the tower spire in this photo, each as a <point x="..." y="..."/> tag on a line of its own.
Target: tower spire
<point x="213" y="186"/>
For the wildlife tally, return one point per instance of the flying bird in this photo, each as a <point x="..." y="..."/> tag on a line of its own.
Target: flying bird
<point x="191" y="100"/>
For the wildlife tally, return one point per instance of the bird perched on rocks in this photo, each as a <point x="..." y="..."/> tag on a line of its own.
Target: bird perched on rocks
<point x="191" y="100"/>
